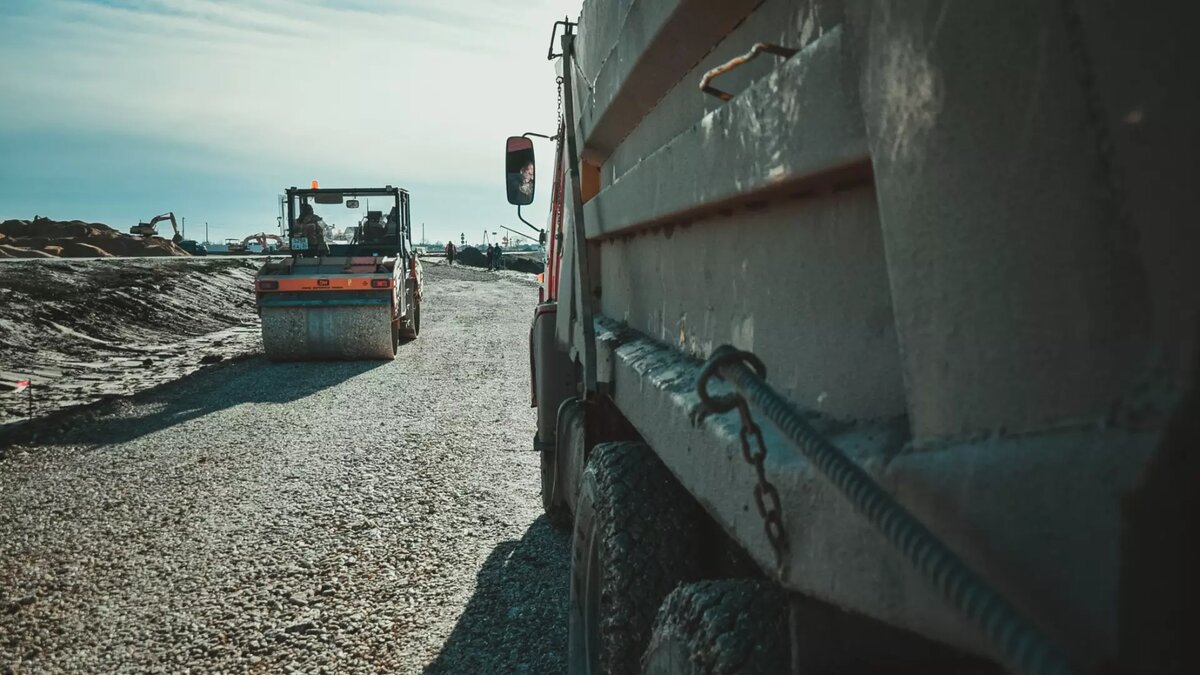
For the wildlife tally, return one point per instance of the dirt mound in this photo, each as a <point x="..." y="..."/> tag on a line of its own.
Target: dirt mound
<point x="530" y="264"/>
<point x="469" y="255"/>
<point x="53" y="229"/>
<point x="83" y="330"/>
<point x="10" y="251"/>
<point x="81" y="250"/>
<point x="519" y="262"/>
<point x="42" y="238"/>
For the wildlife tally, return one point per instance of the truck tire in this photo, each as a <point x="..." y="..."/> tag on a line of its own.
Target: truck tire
<point x="636" y="538"/>
<point x="413" y="331"/>
<point x="720" y="628"/>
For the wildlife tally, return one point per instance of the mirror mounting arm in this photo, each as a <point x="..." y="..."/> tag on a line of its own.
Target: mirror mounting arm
<point x="522" y="234"/>
<point x="522" y="219"/>
<point x="568" y="29"/>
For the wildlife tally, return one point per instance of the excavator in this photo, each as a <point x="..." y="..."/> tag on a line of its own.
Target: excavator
<point x="262" y="239"/>
<point x="149" y="229"/>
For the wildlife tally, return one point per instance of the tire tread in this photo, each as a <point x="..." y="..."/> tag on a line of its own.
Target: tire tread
<point x="649" y="541"/>
<point x="726" y="626"/>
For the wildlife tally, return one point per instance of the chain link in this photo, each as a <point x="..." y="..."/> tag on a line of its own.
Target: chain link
<point x="766" y="496"/>
<point x="1020" y="643"/>
<point x="754" y="448"/>
<point x="559" y="81"/>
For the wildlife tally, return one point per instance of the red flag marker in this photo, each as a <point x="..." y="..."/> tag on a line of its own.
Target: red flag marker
<point x="22" y="384"/>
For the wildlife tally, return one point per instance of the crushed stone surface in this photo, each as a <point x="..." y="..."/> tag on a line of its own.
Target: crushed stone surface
<point x="298" y="517"/>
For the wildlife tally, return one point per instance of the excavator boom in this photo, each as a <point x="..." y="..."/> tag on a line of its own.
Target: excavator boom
<point x="262" y="238"/>
<point x="149" y="229"/>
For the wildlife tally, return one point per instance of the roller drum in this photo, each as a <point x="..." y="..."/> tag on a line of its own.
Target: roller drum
<point x="330" y="333"/>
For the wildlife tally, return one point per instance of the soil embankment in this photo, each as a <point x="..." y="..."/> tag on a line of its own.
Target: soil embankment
<point x="528" y="262"/>
<point x="83" y="331"/>
<point x="45" y="238"/>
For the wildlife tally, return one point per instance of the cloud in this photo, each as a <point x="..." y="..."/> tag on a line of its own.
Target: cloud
<point x="403" y="91"/>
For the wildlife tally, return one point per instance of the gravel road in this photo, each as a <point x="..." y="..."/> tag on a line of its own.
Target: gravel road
<point x="309" y="517"/>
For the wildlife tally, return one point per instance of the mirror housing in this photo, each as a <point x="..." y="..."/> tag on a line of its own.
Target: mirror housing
<point x="519" y="170"/>
<point x="352" y="203"/>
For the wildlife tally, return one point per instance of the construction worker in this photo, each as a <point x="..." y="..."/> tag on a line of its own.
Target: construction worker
<point x="520" y="184"/>
<point x="393" y="221"/>
<point x="313" y="227"/>
<point x="306" y="214"/>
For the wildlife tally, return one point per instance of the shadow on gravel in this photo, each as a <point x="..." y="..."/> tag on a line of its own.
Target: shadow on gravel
<point x="516" y="622"/>
<point x="251" y="381"/>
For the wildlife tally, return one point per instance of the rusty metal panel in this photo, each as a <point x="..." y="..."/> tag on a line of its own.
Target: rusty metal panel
<point x="801" y="123"/>
<point x="802" y="283"/>
<point x="793" y="25"/>
<point x="1147" y="88"/>
<point x="657" y="44"/>
<point x="1000" y="231"/>
<point x="991" y="205"/>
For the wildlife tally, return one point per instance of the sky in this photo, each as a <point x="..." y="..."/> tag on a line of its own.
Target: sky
<point x="116" y="110"/>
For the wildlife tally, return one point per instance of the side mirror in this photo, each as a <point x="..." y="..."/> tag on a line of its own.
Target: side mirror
<point x="518" y="170"/>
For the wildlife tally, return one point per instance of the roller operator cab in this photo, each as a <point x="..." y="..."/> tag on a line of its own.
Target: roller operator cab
<point x="867" y="340"/>
<point x="351" y="300"/>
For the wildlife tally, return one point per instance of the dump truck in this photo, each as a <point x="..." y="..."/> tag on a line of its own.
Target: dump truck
<point x="868" y="338"/>
<point x="342" y="301"/>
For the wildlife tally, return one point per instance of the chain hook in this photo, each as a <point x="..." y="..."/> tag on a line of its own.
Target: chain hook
<point x="719" y="357"/>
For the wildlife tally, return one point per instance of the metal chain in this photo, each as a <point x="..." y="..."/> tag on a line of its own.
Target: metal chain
<point x="766" y="496"/>
<point x="589" y="83"/>
<point x="1020" y="643"/>
<point x="559" y="81"/>
<point x="754" y="448"/>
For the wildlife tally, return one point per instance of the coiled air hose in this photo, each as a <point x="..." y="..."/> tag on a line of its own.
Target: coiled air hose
<point x="1019" y="643"/>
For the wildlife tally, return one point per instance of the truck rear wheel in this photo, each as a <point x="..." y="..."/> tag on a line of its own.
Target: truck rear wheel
<point x="637" y="535"/>
<point x="413" y="330"/>
<point x="719" y="628"/>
